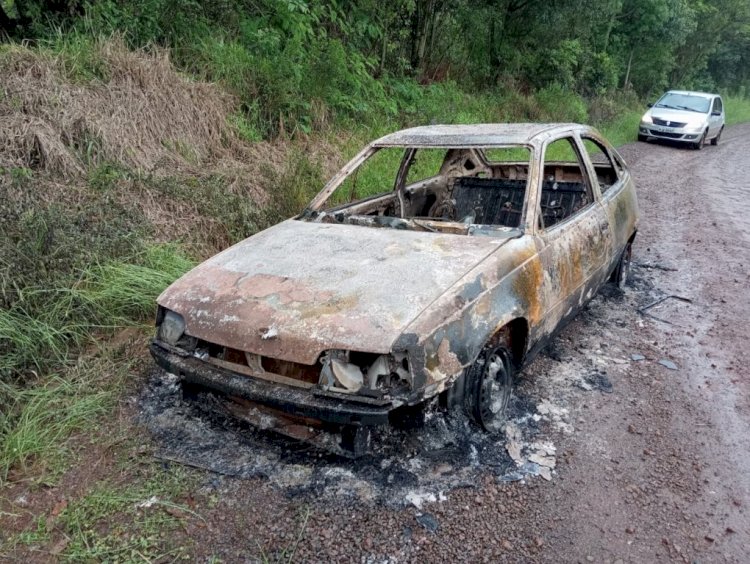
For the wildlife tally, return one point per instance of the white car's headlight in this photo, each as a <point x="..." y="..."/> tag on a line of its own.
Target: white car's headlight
<point x="172" y="328"/>
<point x="646" y="119"/>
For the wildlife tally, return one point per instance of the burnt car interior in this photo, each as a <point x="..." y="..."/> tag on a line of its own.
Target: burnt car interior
<point x="471" y="187"/>
<point x="565" y="188"/>
<point x="466" y="189"/>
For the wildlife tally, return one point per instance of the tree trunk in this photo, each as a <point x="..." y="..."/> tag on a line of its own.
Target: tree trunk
<point x="426" y="19"/>
<point x="383" y="51"/>
<point x="610" y="27"/>
<point x="627" y="72"/>
<point x="491" y="50"/>
<point x="415" y="27"/>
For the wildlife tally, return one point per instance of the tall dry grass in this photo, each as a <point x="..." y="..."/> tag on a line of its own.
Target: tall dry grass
<point x="136" y="110"/>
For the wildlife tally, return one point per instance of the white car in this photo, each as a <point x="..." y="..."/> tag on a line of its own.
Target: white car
<point x="685" y="117"/>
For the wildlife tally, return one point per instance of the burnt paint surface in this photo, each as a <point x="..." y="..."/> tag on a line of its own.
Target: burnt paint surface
<point x="321" y="286"/>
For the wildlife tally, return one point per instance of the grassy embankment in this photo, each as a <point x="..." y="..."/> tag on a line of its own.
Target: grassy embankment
<point x="117" y="173"/>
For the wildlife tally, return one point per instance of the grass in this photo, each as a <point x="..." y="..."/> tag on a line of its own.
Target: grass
<point x="737" y="109"/>
<point x="131" y="520"/>
<point x="623" y="129"/>
<point x="38" y="419"/>
<point x="128" y="521"/>
<point x="115" y="293"/>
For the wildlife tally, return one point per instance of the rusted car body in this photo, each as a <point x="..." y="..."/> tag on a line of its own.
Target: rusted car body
<point x="345" y="316"/>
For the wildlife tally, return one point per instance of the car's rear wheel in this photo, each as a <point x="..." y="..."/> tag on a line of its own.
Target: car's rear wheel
<point x="489" y="386"/>
<point x="698" y="145"/>
<point x="622" y="271"/>
<point x="715" y="140"/>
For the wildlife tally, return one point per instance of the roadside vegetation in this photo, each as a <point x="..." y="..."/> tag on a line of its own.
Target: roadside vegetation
<point x="137" y="138"/>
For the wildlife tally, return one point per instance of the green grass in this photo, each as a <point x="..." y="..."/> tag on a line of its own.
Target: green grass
<point x="120" y="293"/>
<point x="115" y="293"/>
<point x="38" y="419"/>
<point x="129" y="522"/>
<point x="737" y="109"/>
<point x="623" y="129"/>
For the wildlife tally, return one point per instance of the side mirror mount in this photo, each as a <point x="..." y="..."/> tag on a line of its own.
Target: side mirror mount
<point x="650" y="105"/>
<point x="717" y="113"/>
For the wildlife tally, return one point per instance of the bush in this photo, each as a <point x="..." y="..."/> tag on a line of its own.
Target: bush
<point x="560" y="104"/>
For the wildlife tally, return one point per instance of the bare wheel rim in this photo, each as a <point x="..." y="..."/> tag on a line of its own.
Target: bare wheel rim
<point x="494" y="391"/>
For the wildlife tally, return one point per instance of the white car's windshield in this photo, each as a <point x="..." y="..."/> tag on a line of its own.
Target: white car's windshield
<point x="684" y="102"/>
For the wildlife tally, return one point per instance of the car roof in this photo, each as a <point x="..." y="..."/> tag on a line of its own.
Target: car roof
<point x="475" y="135"/>
<point x="691" y="93"/>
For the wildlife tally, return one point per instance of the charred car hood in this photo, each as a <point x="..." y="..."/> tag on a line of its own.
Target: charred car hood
<point x="299" y="288"/>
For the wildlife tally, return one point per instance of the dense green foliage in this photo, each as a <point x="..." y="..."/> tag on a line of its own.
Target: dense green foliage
<point x="300" y="64"/>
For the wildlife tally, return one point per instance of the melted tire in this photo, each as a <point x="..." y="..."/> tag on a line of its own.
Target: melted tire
<point x="621" y="272"/>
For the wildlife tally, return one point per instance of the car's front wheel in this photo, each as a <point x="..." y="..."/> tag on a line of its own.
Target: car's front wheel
<point x="698" y="145"/>
<point x="715" y="140"/>
<point x="489" y="387"/>
<point x="642" y="137"/>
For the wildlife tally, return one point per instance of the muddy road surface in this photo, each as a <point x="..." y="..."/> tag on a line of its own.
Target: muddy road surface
<point x="629" y="439"/>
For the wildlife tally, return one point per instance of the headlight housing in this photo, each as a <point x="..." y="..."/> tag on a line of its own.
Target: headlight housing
<point x="172" y="327"/>
<point x="364" y="374"/>
<point x="695" y="127"/>
<point x="646" y="119"/>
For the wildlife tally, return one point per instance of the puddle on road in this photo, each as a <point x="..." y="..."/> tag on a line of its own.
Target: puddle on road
<point x="409" y="466"/>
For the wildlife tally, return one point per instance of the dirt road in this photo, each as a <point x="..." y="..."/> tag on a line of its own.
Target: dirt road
<point x="641" y="420"/>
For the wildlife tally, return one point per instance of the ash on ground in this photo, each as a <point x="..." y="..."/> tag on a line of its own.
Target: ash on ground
<point x="404" y="465"/>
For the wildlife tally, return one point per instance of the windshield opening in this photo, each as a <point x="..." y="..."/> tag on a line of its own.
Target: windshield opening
<point x="448" y="189"/>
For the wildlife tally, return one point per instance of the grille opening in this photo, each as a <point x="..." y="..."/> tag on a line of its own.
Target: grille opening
<point x="303" y="372"/>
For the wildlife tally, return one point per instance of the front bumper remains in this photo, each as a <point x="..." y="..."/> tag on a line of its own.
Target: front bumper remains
<point x="302" y="403"/>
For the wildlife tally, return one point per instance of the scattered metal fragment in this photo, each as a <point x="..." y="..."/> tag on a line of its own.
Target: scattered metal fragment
<point x="642" y="310"/>
<point x="428" y="521"/>
<point x="637" y="357"/>
<point x="668" y="364"/>
<point x="655" y="266"/>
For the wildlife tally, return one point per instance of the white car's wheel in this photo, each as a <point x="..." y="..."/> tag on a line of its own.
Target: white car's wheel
<point x="698" y="145"/>
<point x="715" y="140"/>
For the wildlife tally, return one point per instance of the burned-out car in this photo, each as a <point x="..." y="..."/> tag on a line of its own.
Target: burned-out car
<point x="429" y="269"/>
